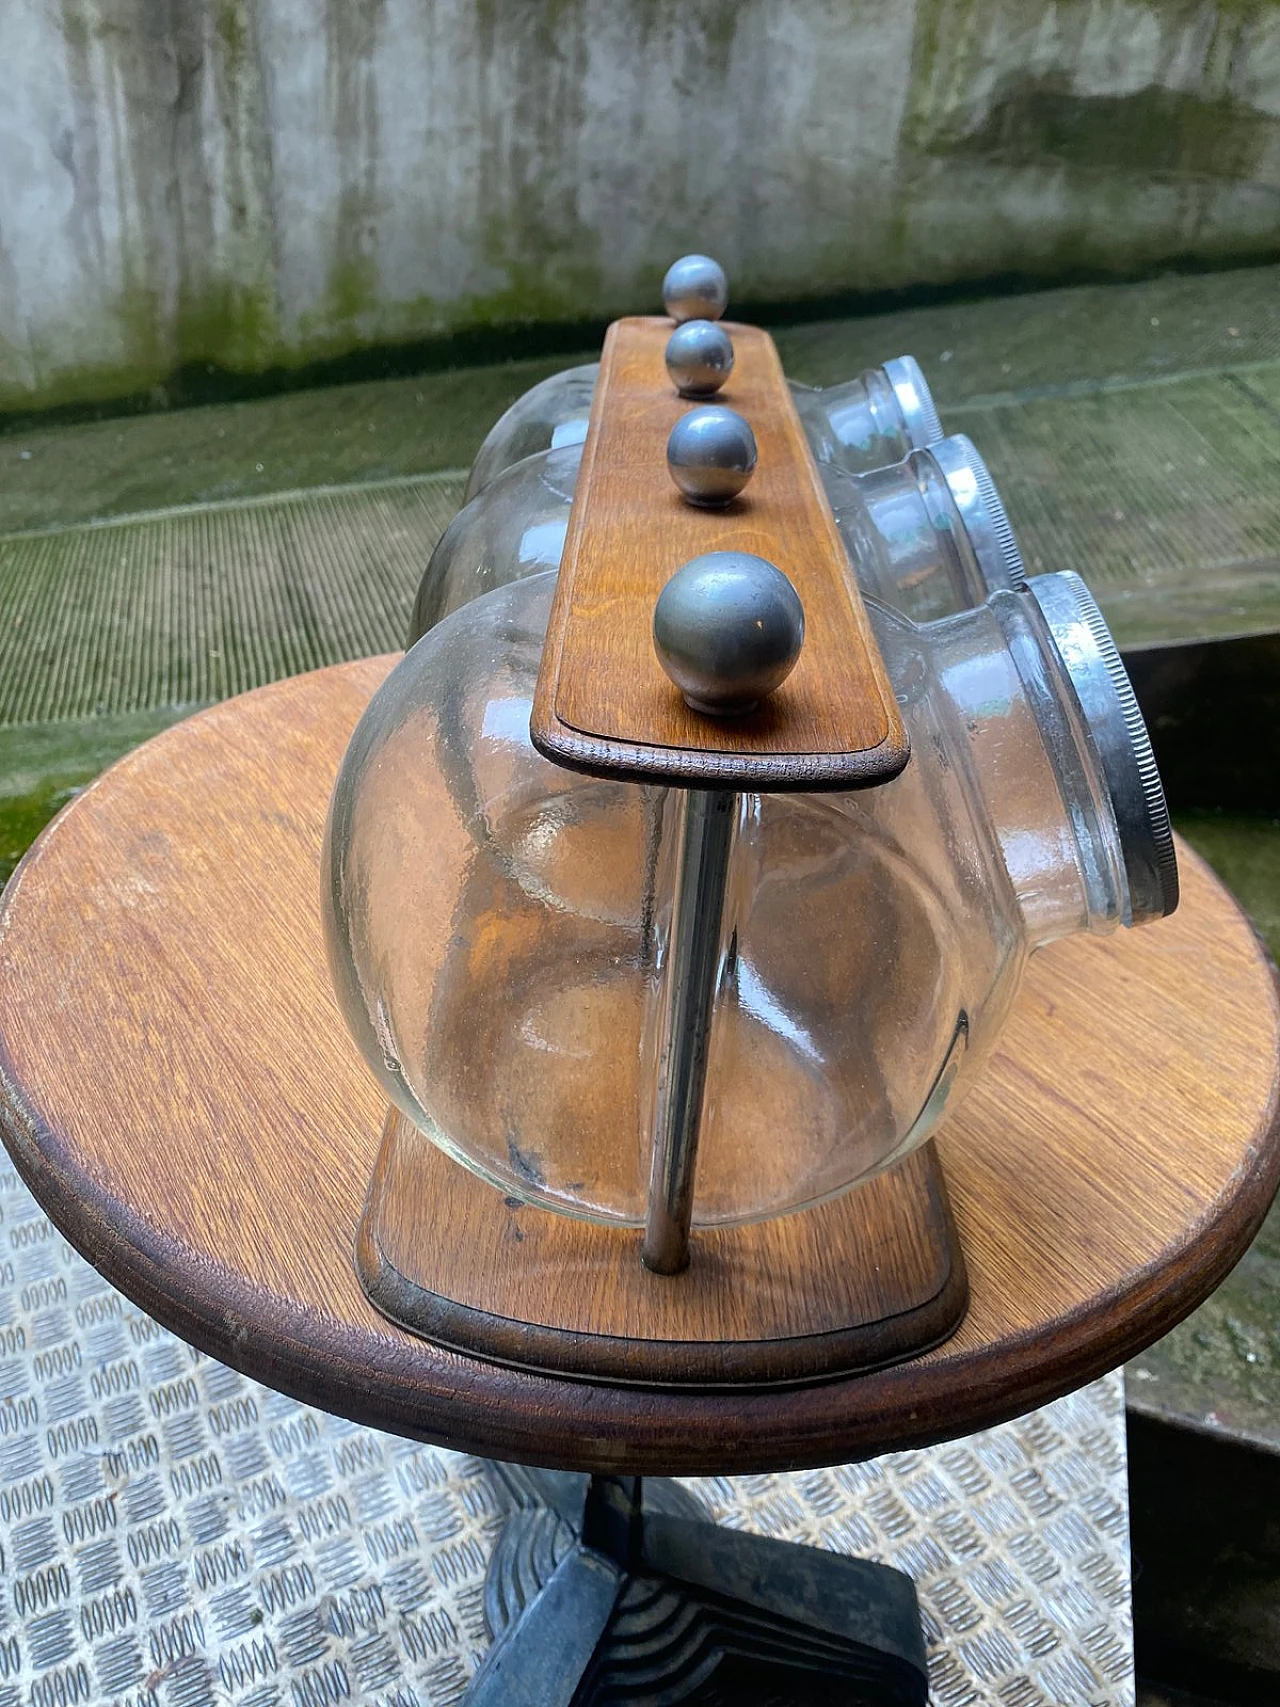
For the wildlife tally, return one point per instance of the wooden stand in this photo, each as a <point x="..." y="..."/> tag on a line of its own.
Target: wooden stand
<point x="603" y="703"/>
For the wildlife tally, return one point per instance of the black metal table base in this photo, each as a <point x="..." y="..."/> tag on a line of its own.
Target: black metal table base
<point x="603" y="1593"/>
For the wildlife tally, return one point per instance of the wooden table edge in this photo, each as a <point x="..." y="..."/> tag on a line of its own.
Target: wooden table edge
<point x="495" y="1412"/>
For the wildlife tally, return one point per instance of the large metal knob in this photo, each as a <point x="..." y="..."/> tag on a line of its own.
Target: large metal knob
<point x="695" y="288"/>
<point x="699" y="358"/>
<point x="711" y="454"/>
<point x="728" y="628"/>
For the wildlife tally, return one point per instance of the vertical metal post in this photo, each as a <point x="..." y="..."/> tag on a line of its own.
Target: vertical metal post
<point x="693" y="965"/>
<point x="613" y="1519"/>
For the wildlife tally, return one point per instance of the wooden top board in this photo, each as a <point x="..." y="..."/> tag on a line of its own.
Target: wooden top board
<point x="603" y="702"/>
<point x="179" y="1091"/>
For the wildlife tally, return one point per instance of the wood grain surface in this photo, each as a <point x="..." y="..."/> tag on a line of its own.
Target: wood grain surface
<point x="603" y="703"/>
<point x="178" y="1089"/>
<point x="873" y="1276"/>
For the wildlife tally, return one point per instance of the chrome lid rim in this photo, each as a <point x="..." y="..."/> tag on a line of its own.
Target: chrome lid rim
<point x="1120" y="735"/>
<point x="919" y="412"/>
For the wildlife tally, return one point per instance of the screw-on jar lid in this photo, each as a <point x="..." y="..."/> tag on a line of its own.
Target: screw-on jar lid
<point x="911" y="388"/>
<point x="1096" y="672"/>
<point x="974" y="494"/>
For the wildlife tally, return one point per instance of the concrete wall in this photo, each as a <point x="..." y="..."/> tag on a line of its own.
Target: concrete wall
<point x="251" y="183"/>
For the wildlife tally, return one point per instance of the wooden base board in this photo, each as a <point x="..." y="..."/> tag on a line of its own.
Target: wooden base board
<point x="871" y="1278"/>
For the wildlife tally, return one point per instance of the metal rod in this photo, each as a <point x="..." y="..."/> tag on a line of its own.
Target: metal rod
<point x="693" y="966"/>
<point x="613" y="1519"/>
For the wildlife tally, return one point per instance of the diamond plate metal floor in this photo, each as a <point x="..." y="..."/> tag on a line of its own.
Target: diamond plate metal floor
<point x="172" y="1535"/>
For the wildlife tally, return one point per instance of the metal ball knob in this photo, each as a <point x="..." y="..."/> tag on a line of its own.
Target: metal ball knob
<point x="695" y="288"/>
<point x="728" y="628"/>
<point x="699" y="358"/>
<point x="711" y="454"/>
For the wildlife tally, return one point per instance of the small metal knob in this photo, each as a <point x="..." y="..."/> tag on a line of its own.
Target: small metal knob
<point x="711" y="454"/>
<point x="728" y="628"/>
<point x="695" y="288"/>
<point x="699" y="358"/>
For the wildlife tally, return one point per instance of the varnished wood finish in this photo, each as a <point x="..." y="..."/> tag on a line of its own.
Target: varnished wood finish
<point x="603" y="703"/>
<point x="865" y="1280"/>
<point x="178" y="1089"/>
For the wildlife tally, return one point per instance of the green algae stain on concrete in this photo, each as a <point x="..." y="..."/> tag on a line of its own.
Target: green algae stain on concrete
<point x="23" y="816"/>
<point x="43" y="766"/>
<point x="228" y="310"/>
<point x="550" y="286"/>
<point x="352" y="30"/>
<point x="1245" y="853"/>
<point x="351" y="296"/>
<point x="169" y="240"/>
<point x="990" y="81"/>
<point x="1154" y="131"/>
<point x="232" y="324"/>
<point x="1080" y="136"/>
<point x="233" y="30"/>
<point x="1033" y="138"/>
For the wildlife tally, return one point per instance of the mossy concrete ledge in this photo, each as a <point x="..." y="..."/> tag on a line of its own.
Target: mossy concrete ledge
<point x="242" y="186"/>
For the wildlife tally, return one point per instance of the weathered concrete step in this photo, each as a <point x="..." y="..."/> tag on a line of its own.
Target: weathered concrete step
<point x="1218" y="1372"/>
<point x="1055" y="342"/>
<point x="191" y="605"/>
<point x="1133" y="429"/>
<point x="1136" y="489"/>
<point x="57" y="476"/>
<point x="1165" y="497"/>
<point x="979" y="355"/>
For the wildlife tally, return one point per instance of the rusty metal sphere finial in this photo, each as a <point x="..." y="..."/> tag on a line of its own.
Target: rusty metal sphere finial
<point x="699" y="358"/>
<point x="728" y="628"/>
<point x="711" y="454"/>
<point x="695" y="288"/>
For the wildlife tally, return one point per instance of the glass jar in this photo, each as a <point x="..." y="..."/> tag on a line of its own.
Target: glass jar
<point x="927" y="536"/>
<point x="499" y="927"/>
<point x="866" y="422"/>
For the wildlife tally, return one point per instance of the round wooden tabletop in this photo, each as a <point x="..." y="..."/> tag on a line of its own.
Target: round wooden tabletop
<point x="179" y="1091"/>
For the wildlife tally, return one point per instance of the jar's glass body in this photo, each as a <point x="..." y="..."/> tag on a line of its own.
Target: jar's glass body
<point x="551" y="415"/>
<point x="514" y="529"/>
<point x="498" y="926"/>
<point x="918" y="533"/>
<point x="867" y="422"/>
<point x="871" y="421"/>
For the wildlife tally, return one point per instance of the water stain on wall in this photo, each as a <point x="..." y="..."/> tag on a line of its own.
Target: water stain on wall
<point x="1093" y="133"/>
<point x="250" y="184"/>
<point x="1155" y="132"/>
<point x="351" y="37"/>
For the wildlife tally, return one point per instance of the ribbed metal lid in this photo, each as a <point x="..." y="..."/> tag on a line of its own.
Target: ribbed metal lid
<point x="1097" y="673"/>
<point x="915" y="400"/>
<point x="974" y="493"/>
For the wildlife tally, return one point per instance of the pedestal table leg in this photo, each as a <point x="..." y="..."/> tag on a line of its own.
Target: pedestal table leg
<point x="604" y="1593"/>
